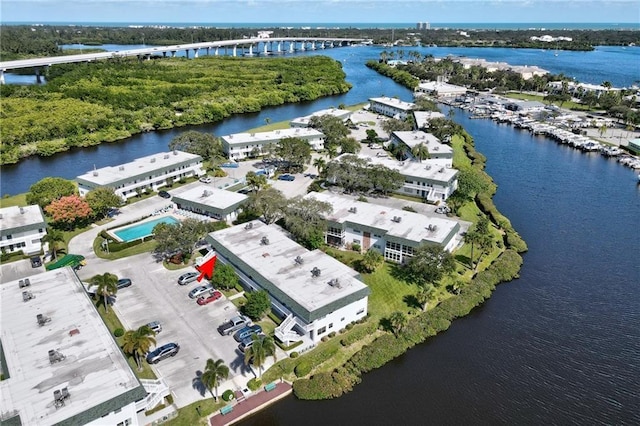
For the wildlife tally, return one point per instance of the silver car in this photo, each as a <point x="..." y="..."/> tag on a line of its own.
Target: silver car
<point x="200" y="290"/>
<point x="187" y="278"/>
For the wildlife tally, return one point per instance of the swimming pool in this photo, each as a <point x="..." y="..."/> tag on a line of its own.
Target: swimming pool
<point x="141" y="230"/>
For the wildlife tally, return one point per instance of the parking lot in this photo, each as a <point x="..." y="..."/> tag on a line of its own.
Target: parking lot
<point x="156" y="296"/>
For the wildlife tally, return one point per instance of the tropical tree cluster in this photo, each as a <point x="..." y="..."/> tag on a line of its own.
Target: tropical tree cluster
<point x="355" y="174"/>
<point x="69" y="211"/>
<point x="293" y="153"/>
<point x="138" y="343"/>
<point x="429" y="264"/>
<point x="181" y="237"/>
<point x="336" y="135"/>
<point x="106" y="287"/>
<point x="261" y="348"/>
<point x="214" y="372"/>
<point x="113" y="99"/>
<point x="224" y="276"/>
<point x="258" y="304"/>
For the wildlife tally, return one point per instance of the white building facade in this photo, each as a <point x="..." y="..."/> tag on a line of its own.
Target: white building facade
<point x="217" y="203"/>
<point x="440" y="89"/>
<point x="395" y="233"/>
<point x="410" y="139"/>
<point x="149" y="173"/>
<point x="391" y="107"/>
<point x="22" y="229"/>
<point x="313" y="292"/>
<point x="342" y="114"/>
<point x="239" y="146"/>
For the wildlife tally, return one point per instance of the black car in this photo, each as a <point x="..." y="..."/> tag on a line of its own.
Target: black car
<point x="164" y="351"/>
<point x="123" y="283"/>
<point x="36" y="262"/>
<point x="164" y="194"/>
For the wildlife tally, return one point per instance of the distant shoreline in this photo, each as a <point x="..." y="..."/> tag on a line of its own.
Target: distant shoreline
<point x="357" y="25"/>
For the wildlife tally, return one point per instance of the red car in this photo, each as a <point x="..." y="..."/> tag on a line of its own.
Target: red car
<point x="203" y="300"/>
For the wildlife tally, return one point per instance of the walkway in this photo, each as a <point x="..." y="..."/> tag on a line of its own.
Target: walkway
<point x="252" y="404"/>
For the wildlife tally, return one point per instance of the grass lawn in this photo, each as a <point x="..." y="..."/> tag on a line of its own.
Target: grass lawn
<point x="14" y="200"/>
<point x="387" y="293"/>
<point x="406" y="197"/>
<point x="146" y="247"/>
<point x="188" y="416"/>
<point x="569" y="104"/>
<point x="460" y="158"/>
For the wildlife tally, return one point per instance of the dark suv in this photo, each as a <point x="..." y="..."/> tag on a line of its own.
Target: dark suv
<point x="36" y="262"/>
<point x="164" y="351"/>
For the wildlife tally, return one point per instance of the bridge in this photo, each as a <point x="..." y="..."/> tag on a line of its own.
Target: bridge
<point x="241" y="47"/>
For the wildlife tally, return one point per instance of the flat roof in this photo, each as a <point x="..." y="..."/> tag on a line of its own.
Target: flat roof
<point x="336" y="112"/>
<point x="415" y="137"/>
<point x="95" y="371"/>
<point x="15" y="217"/>
<point x="412" y="226"/>
<point x="434" y="169"/>
<point x="422" y="117"/>
<point x="272" y="136"/>
<point x="442" y="87"/>
<point x="276" y="263"/>
<point x="139" y="166"/>
<point x="210" y="196"/>
<point x="393" y="102"/>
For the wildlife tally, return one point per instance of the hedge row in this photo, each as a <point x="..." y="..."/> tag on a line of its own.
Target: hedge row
<point x="313" y="359"/>
<point x="512" y="238"/>
<point x="419" y="328"/>
<point x="358" y="333"/>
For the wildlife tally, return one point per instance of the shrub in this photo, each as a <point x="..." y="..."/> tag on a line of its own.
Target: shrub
<point x="313" y="359"/>
<point x="118" y="332"/>
<point x="356" y="247"/>
<point x="349" y="326"/>
<point x="228" y="395"/>
<point x="409" y="209"/>
<point x="357" y="334"/>
<point x="254" y="384"/>
<point x="362" y="199"/>
<point x="324" y="338"/>
<point x="294" y="354"/>
<point x="332" y="334"/>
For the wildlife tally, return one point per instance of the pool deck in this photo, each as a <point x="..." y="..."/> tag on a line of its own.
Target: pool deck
<point x="244" y="408"/>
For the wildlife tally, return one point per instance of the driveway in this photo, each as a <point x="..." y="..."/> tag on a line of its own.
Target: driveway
<point x="156" y="296"/>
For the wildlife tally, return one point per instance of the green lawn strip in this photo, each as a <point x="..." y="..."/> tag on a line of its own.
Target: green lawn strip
<point x="460" y="158"/>
<point x="387" y="293"/>
<point x="172" y="266"/>
<point x="188" y="416"/>
<point x="238" y="302"/>
<point x="406" y="197"/>
<point x="13" y="200"/>
<point x="146" y="247"/>
<point x="268" y="326"/>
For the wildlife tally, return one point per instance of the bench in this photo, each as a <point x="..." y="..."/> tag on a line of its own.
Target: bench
<point x="226" y="409"/>
<point x="269" y="386"/>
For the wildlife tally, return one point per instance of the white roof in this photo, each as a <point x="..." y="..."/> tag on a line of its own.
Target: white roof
<point x="272" y="136"/>
<point x="423" y="117"/>
<point x="411" y="227"/>
<point x="415" y="137"/>
<point x="210" y="196"/>
<point x="139" y="166"/>
<point x="17" y="217"/>
<point x="276" y="263"/>
<point x="394" y="103"/>
<point x="435" y="169"/>
<point x="340" y="113"/>
<point x="94" y="370"/>
<point x="442" y="87"/>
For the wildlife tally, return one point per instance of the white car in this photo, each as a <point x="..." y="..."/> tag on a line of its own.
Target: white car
<point x="205" y="179"/>
<point x="200" y="290"/>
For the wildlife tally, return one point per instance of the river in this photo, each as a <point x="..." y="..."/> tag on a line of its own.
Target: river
<point x="560" y="345"/>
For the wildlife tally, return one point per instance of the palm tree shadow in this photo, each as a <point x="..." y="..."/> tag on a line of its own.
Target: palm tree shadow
<point x="385" y="324"/>
<point x="412" y="301"/>
<point x="399" y="272"/>
<point x="196" y="383"/>
<point x="238" y="365"/>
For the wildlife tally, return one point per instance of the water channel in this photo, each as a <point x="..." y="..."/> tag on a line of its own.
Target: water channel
<point x="560" y="345"/>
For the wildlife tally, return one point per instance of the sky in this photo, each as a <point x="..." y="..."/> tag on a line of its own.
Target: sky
<point x="320" y="11"/>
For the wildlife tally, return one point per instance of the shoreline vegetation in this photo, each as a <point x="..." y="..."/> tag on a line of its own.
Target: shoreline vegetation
<point x="113" y="100"/>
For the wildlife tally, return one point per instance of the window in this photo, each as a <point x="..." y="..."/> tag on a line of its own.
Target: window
<point x="322" y="330"/>
<point x="361" y="311"/>
<point x="9" y="237"/>
<point x="40" y="231"/>
<point x="331" y="325"/>
<point x="355" y="241"/>
<point x="341" y="319"/>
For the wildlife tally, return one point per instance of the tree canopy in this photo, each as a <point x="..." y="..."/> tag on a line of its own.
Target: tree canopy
<point x="48" y="189"/>
<point x="224" y="276"/>
<point x="69" y="211"/>
<point x="258" y="303"/>
<point x="304" y="219"/>
<point x="205" y="145"/>
<point x="356" y="174"/>
<point x="182" y="237"/>
<point x="332" y="127"/>
<point x="429" y="264"/>
<point x="268" y="203"/>
<point x="293" y="152"/>
<point x="101" y="200"/>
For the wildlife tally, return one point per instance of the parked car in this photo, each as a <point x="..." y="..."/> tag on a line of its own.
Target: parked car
<point x="36" y="262"/>
<point x="247" y="331"/>
<point x="164" y="194"/>
<point x="200" y="290"/>
<point x="234" y="324"/>
<point x="203" y="300"/>
<point x="205" y="179"/>
<point x="287" y="177"/>
<point x="247" y="342"/>
<point x="187" y="278"/>
<point x="124" y="283"/>
<point x="162" y="352"/>
<point x="155" y="326"/>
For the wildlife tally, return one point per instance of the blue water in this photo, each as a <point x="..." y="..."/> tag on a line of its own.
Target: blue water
<point x="142" y="230"/>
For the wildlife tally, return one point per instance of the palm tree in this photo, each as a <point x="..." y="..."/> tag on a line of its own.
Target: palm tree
<point x="320" y="164"/>
<point x="424" y="294"/>
<point x="472" y="237"/>
<point x="262" y="347"/>
<point x="53" y="237"/>
<point x="213" y="373"/>
<point x="420" y="151"/>
<point x="107" y="286"/>
<point x="138" y="342"/>
<point x="398" y="321"/>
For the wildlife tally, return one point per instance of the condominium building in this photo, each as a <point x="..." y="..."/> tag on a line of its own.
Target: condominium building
<point x="315" y="293"/>
<point x="342" y="114"/>
<point x="422" y="118"/>
<point x="410" y="139"/>
<point x="148" y="173"/>
<point x="391" y="107"/>
<point x="213" y="202"/>
<point x="246" y="145"/>
<point x="61" y="365"/>
<point x="440" y="89"/>
<point x="395" y="233"/>
<point x="22" y="229"/>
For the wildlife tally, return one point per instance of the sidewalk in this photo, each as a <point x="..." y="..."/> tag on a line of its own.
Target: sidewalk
<point x="252" y="404"/>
